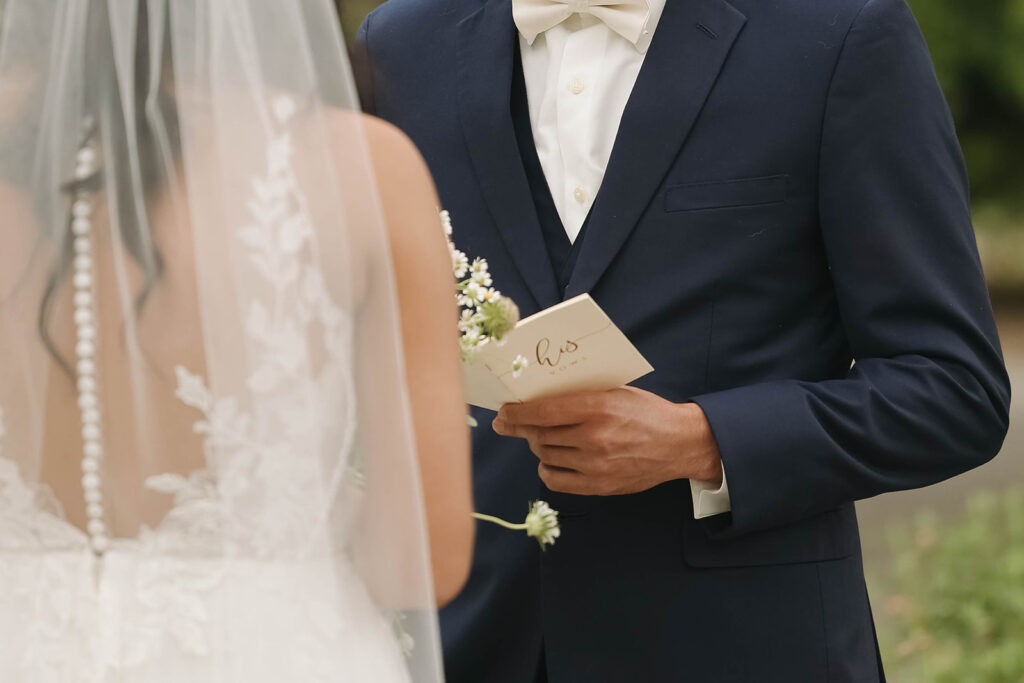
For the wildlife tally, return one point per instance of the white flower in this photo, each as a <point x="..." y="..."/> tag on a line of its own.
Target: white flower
<point x="542" y="524"/>
<point x="479" y="268"/>
<point x="446" y="222"/>
<point x="460" y="264"/>
<point x="518" y="365"/>
<point x="482" y="278"/>
<point x="470" y="323"/>
<point x="474" y="291"/>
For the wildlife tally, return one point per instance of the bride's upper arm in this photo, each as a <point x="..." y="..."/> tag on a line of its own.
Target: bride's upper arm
<point x="425" y="285"/>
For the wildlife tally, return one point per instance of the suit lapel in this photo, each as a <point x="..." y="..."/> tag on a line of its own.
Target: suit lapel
<point x="690" y="47"/>
<point x="486" y="44"/>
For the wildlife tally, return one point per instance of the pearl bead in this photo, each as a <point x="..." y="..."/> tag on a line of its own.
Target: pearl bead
<point x="90" y="433"/>
<point x="83" y="262"/>
<point x="81" y="226"/>
<point x="100" y="543"/>
<point x="87" y="400"/>
<point x="83" y="299"/>
<point x="87" y="332"/>
<point x="90" y="466"/>
<point x="83" y="315"/>
<point x="83" y="245"/>
<point x="94" y="511"/>
<point x="93" y="496"/>
<point x="96" y="527"/>
<point x="82" y="280"/>
<point x="86" y="367"/>
<point x="91" y="417"/>
<point x="85" y="349"/>
<point x="91" y="482"/>
<point x="86" y="384"/>
<point x="81" y="208"/>
<point x="93" y="449"/>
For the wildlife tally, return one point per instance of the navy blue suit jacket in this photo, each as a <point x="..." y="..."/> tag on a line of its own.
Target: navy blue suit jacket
<point x="786" y="195"/>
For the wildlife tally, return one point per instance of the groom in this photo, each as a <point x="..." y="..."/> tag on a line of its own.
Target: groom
<point x="759" y="194"/>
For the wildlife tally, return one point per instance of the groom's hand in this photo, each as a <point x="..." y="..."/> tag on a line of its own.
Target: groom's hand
<point x="613" y="442"/>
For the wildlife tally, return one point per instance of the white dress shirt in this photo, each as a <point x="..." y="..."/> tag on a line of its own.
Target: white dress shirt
<point x="579" y="76"/>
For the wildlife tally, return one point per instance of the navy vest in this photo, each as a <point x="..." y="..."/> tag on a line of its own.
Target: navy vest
<point x="561" y="251"/>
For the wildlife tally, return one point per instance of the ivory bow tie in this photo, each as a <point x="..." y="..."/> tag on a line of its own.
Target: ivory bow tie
<point x="625" y="17"/>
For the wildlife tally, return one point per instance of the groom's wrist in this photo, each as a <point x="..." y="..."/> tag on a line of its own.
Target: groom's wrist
<point x="701" y="459"/>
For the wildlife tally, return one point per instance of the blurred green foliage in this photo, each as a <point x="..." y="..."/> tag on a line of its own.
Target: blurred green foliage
<point x="978" y="48"/>
<point x="953" y="598"/>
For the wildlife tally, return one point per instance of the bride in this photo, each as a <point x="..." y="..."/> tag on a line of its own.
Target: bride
<point x="208" y="429"/>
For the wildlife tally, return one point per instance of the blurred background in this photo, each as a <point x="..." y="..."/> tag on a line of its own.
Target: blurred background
<point x="945" y="565"/>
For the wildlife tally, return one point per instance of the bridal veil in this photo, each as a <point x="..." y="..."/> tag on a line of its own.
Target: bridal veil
<point x="200" y="357"/>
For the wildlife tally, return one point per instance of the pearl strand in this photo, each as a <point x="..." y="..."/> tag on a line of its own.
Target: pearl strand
<point x="85" y="351"/>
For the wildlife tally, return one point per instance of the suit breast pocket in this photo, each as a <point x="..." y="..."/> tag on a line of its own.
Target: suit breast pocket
<point x="726" y="194"/>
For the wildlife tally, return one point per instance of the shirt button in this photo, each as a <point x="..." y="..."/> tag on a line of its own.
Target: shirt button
<point x="580" y="195"/>
<point x="576" y="86"/>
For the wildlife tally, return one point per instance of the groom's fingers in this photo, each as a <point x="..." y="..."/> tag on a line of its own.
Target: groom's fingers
<point x="569" y="437"/>
<point x="573" y="437"/>
<point x="564" y="481"/>
<point x="557" y="456"/>
<point x="556" y="411"/>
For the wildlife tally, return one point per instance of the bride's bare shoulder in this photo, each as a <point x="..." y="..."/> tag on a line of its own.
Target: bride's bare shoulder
<point x="396" y="157"/>
<point x="407" y="192"/>
<point x="399" y="178"/>
<point x="391" y="152"/>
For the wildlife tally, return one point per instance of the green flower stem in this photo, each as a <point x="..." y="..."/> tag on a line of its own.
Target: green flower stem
<point x="499" y="522"/>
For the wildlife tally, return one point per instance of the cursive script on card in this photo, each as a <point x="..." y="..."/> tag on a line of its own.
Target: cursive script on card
<point x="551" y="358"/>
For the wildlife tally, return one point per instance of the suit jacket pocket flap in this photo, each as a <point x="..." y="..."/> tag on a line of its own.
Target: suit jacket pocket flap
<point x="724" y="194"/>
<point x="828" y="536"/>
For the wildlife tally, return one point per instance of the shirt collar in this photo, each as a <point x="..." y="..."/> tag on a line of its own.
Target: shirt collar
<point x="655" y="9"/>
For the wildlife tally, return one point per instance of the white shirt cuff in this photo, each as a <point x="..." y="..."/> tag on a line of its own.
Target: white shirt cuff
<point x="709" y="500"/>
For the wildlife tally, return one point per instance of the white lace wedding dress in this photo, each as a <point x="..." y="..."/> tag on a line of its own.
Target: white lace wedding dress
<point x="162" y="607"/>
<point x="177" y="604"/>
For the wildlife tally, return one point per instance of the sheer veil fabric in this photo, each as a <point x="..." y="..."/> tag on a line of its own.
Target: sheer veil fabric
<point x="207" y="468"/>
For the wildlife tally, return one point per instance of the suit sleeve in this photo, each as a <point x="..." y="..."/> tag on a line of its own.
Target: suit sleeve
<point x="928" y="395"/>
<point x="363" y="68"/>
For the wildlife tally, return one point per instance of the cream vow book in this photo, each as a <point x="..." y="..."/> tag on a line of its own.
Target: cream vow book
<point x="570" y="347"/>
